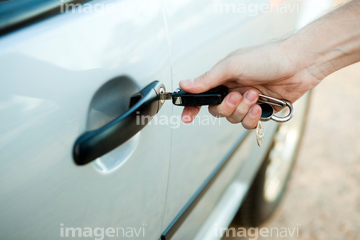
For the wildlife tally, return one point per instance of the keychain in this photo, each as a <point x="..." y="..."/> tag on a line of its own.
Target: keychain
<point x="216" y="95"/>
<point x="267" y="113"/>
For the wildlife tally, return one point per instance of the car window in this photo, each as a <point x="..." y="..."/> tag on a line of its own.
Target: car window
<point x="14" y="12"/>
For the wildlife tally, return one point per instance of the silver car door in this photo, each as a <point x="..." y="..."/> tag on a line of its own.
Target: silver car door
<point x="60" y="77"/>
<point x="201" y="33"/>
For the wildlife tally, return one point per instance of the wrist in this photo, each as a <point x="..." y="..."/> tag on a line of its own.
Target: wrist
<point x="304" y="53"/>
<point x="296" y="54"/>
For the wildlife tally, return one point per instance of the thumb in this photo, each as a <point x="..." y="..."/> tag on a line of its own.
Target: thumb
<point x="216" y="76"/>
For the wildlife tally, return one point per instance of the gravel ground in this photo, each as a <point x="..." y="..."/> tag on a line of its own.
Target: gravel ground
<point x="323" y="195"/>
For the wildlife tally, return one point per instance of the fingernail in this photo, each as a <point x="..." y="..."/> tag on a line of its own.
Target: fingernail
<point x="254" y="111"/>
<point x="187" y="82"/>
<point x="250" y="96"/>
<point x="186" y="119"/>
<point x="234" y="99"/>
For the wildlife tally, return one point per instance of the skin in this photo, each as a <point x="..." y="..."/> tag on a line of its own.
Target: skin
<point x="285" y="69"/>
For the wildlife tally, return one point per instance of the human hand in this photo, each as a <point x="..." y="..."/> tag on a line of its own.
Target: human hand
<point x="272" y="69"/>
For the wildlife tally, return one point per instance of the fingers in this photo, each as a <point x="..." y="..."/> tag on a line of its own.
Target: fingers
<point x="212" y="78"/>
<point x="251" y="120"/>
<point x="228" y="105"/>
<point x="226" y="108"/>
<point x="235" y="107"/>
<point x="250" y="98"/>
<point x="189" y="114"/>
<point x="247" y="112"/>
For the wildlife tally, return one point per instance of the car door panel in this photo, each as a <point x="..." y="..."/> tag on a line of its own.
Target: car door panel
<point x="50" y="73"/>
<point x="199" y="36"/>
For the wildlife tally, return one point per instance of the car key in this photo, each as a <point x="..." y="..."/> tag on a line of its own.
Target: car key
<point x="216" y="95"/>
<point x="212" y="97"/>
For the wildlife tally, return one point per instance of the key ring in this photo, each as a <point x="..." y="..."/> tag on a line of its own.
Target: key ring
<point x="266" y="103"/>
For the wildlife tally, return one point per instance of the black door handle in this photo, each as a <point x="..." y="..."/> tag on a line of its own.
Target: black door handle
<point x="93" y="144"/>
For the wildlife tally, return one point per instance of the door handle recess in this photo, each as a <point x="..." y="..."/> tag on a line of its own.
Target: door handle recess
<point x="94" y="144"/>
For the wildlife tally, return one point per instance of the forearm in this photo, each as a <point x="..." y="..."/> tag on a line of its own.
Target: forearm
<point x="329" y="43"/>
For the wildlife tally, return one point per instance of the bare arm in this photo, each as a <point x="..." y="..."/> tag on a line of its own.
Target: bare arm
<point x="286" y="69"/>
<point x="330" y="43"/>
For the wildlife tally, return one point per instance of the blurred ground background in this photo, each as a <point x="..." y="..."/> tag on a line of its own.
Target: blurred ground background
<point x="323" y="194"/>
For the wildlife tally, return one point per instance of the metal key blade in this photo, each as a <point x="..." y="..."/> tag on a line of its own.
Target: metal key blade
<point x="260" y="133"/>
<point x="164" y="95"/>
